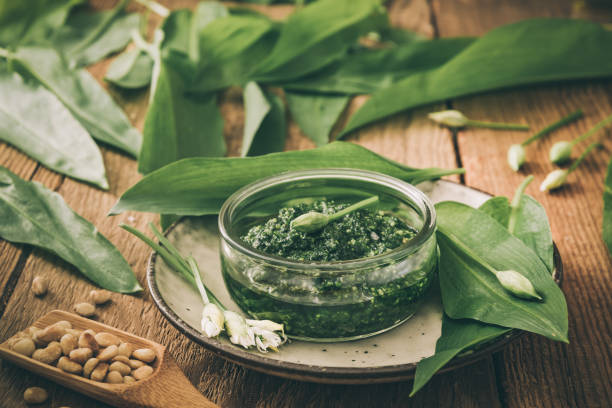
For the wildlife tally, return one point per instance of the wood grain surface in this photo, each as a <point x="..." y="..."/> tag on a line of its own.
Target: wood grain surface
<point x="533" y="372"/>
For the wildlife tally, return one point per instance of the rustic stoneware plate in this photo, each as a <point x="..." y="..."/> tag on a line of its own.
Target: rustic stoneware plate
<point x="391" y="356"/>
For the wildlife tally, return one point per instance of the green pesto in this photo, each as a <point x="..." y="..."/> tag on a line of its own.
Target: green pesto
<point x="329" y="306"/>
<point x="360" y="234"/>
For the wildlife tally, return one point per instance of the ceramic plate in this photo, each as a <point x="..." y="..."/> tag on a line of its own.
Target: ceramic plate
<point x="391" y="356"/>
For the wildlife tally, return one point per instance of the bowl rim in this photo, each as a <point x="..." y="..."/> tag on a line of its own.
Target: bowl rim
<point x="325" y="374"/>
<point x="408" y="192"/>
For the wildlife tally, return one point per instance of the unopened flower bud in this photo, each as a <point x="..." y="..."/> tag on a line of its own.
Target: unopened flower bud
<point x="516" y="156"/>
<point x="554" y="180"/>
<point x="450" y="118"/>
<point x="517" y="284"/>
<point x="309" y="222"/>
<point x="560" y="152"/>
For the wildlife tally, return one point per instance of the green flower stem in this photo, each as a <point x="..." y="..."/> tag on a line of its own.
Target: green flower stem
<point x="515" y="204"/>
<point x="207" y="295"/>
<point x="496" y="125"/>
<point x="351" y="208"/>
<point x="584" y="154"/>
<point x="155" y="7"/>
<point x="168" y="246"/>
<point x="554" y="126"/>
<point x="592" y="131"/>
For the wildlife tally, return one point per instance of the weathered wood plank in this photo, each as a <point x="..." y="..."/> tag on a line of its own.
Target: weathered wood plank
<point x="535" y="371"/>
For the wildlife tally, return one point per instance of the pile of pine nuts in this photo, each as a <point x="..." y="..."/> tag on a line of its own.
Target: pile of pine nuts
<point x="98" y="356"/>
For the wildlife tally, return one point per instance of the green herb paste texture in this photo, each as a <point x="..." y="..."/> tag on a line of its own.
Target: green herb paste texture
<point x="360" y="234"/>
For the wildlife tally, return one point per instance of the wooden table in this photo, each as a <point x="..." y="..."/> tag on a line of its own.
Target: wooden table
<point x="532" y="372"/>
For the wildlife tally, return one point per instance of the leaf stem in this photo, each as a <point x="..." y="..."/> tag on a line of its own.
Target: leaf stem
<point x="351" y="208"/>
<point x="154" y="7"/>
<point x="204" y="292"/>
<point x="515" y="204"/>
<point x="554" y="126"/>
<point x="584" y="154"/>
<point x="592" y="131"/>
<point x="497" y="125"/>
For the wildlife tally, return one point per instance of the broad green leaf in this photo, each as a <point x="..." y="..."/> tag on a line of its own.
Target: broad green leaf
<point x="81" y="93"/>
<point x="324" y="109"/>
<point x="531" y="225"/>
<point x="35" y="121"/>
<point x="32" y="21"/>
<point x="229" y="47"/>
<point x="264" y="123"/>
<point x="366" y="71"/>
<point x="317" y="35"/>
<point x="88" y="37"/>
<point x="471" y="291"/>
<point x="524" y="53"/>
<point x="179" y="125"/>
<point x="131" y="70"/>
<point x="457" y="335"/>
<point x="34" y="215"/>
<point x="205" y="13"/>
<point x="199" y="186"/>
<point x="533" y="229"/>
<point x="607" y="212"/>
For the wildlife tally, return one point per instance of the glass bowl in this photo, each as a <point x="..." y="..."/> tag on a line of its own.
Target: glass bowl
<point x="328" y="301"/>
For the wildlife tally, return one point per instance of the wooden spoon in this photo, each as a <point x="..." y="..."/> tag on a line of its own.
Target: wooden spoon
<point x="167" y="387"/>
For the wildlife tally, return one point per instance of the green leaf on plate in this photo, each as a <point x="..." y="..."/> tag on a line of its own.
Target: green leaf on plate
<point x="457" y="335"/>
<point x="316" y="114"/>
<point x="369" y="70"/>
<point x="264" y="123"/>
<point x="317" y="35"/>
<point x="471" y="291"/>
<point x="32" y="21"/>
<point x="607" y="212"/>
<point x="131" y="70"/>
<point x="523" y="53"/>
<point x="179" y="125"/>
<point x="82" y="94"/>
<point x="199" y="186"/>
<point x="531" y="227"/>
<point x="34" y="215"/>
<point x="229" y="47"/>
<point x="55" y="138"/>
<point x="88" y="37"/>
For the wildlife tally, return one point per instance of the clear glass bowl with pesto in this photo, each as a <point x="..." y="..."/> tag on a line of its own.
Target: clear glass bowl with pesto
<point x="356" y="276"/>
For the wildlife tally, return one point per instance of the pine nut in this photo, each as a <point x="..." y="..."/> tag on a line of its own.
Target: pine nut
<point x="100" y="297"/>
<point x="24" y="346"/>
<point x="69" y="366"/>
<point x="122" y="368"/>
<point x="81" y="355"/>
<point x="114" y="377"/>
<point x="85" y="309"/>
<point x="108" y="353"/>
<point x="68" y="342"/>
<point x="39" y="286"/>
<point x="89" y="366"/>
<point x="145" y="354"/>
<point x="99" y="372"/>
<point x="142" y="372"/>
<point x="35" y="395"/>
<point x="107" y="339"/>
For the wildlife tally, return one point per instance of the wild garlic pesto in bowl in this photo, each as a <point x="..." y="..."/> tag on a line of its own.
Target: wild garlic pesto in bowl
<point x="356" y="276"/>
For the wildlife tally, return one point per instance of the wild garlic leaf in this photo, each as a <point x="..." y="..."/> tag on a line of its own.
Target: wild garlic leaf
<point x="318" y="34"/>
<point x="368" y="70"/>
<point x="179" y="125"/>
<point x="89" y="36"/>
<point x="55" y="138"/>
<point x="325" y="108"/>
<point x="607" y="212"/>
<point x="229" y="47"/>
<point x="82" y="95"/>
<point x="33" y="21"/>
<point x="34" y="215"/>
<point x="531" y="225"/>
<point x="470" y="291"/>
<point x="264" y="124"/>
<point x="131" y="70"/>
<point x="524" y="53"/>
<point x="200" y="185"/>
<point x="533" y="229"/>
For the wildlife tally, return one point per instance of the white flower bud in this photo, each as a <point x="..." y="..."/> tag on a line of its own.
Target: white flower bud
<point x="212" y="320"/>
<point x="561" y="152"/>
<point x="516" y="156"/>
<point x="450" y="118"/>
<point x="240" y="333"/>
<point x="554" y="179"/>
<point x="517" y="284"/>
<point x="310" y="222"/>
